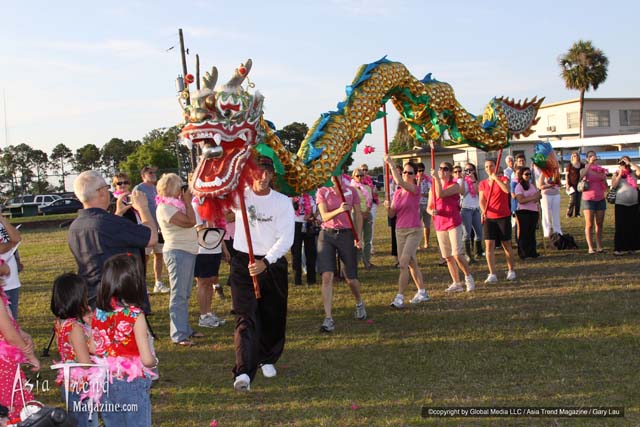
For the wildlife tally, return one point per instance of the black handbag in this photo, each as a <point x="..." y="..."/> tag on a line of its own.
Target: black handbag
<point x="611" y="195"/>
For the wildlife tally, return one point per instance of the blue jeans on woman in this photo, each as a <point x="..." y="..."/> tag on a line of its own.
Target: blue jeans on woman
<point x="180" y="267"/>
<point x="127" y="404"/>
<point x="472" y="221"/>
<point x="80" y="410"/>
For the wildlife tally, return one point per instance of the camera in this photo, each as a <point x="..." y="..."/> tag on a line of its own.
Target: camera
<point x="49" y="417"/>
<point x="185" y="187"/>
<point x="126" y="200"/>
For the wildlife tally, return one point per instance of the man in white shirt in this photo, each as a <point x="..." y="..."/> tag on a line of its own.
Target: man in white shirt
<point x="259" y="333"/>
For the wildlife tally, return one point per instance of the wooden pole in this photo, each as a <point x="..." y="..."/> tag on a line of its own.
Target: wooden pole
<point x="252" y="259"/>
<point x="197" y="71"/>
<point x="336" y="183"/>
<point x="183" y="57"/>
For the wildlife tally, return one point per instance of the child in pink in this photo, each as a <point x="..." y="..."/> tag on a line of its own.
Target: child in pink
<point x="75" y="344"/>
<point x="123" y="341"/>
<point x="16" y="347"/>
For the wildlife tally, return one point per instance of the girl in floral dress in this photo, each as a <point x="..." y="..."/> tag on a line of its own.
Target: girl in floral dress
<point x="75" y="344"/>
<point x="122" y="338"/>
<point x="16" y="347"/>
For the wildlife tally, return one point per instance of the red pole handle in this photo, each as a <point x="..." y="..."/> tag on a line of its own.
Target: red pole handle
<point x="336" y="183"/>
<point x="245" y="222"/>
<point x="496" y="171"/>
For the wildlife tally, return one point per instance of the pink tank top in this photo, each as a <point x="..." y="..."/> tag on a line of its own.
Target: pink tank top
<point x="448" y="209"/>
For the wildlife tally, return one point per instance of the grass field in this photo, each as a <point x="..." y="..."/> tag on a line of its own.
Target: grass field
<point x="566" y="333"/>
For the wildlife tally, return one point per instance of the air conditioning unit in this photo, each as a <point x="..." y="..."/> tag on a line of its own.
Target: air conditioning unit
<point x="551" y="128"/>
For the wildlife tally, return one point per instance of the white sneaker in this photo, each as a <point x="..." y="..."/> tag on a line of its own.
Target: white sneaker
<point x="398" y="302"/>
<point x="470" y="283"/>
<point x="420" y="297"/>
<point x="455" y="287"/>
<point x="160" y="288"/>
<point x="208" y="321"/>
<point x="242" y="383"/>
<point x="491" y="278"/>
<point x="511" y="275"/>
<point x="268" y="370"/>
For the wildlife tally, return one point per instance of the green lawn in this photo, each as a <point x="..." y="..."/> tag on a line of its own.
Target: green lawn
<point x="566" y="333"/>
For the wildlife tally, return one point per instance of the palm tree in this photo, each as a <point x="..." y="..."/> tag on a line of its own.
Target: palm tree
<point x="583" y="67"/>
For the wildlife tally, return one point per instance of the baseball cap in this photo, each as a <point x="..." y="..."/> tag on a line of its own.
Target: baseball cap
<point x="265" y="163"/>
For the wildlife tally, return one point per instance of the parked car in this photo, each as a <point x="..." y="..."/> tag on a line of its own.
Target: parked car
<point x="61" y="206"/>
<point x="29" y="200"/>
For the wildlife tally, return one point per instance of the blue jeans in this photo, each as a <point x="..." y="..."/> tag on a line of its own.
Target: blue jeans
<point x="81" y="415"/>
<point x="127" y="404"/>
<point x="14" y="297"/>
<point x="471" y="220"/>
<point x="180" y="266"/>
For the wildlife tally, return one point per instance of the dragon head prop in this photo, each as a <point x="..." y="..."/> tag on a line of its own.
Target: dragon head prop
<point x="224" y="123"/>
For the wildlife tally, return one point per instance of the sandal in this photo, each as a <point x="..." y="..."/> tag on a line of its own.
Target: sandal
<point x="185" y="343"/>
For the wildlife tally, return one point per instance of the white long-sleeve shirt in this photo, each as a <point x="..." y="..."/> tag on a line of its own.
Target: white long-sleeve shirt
<point x="271" y="224"/>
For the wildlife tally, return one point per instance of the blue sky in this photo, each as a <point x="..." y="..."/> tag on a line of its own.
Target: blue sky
<point x="84" y="72"/>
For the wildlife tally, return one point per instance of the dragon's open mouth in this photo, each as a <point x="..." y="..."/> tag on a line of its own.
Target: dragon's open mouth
<point x="225" y="149"/>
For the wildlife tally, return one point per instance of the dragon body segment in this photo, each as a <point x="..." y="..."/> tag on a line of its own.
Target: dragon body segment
<point x="227" y="123"/>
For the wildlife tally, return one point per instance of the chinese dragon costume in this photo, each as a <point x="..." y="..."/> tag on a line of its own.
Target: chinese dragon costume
<point x="226" y="122"/>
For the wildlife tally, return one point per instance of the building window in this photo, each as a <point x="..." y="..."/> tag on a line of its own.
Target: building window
<point x="573" y="120"/>
<point x="598" y="119"/>
<point x="629" y="117"/>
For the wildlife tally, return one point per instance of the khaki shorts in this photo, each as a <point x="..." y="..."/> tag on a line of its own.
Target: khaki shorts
<point x="408" y="241"/>
<point x="450" y="242"/>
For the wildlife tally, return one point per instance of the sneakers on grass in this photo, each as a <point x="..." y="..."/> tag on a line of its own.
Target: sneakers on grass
<point x="455" y="287"/>
<point x="491" y="278"/>
<point x="511" y="275"/>
<point x="398" y="302"/>
<point x="268" y="370"/>
<point x="210" y="320"/>
<point x="420" y="296"/>
<point x="242" y="383"/>
<point x="328" y="325"/>
<point x="160" y="288"/>
<point x="360" y="313"/>
<point x="470" y="283"/>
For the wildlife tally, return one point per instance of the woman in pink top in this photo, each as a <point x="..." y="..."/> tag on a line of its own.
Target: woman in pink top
<point x="593" y="198"/>
<point x="444" y="206"/>
<point x="405" y="207"/>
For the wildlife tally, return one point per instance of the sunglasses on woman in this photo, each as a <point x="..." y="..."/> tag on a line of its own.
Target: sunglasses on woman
<point x="444" y="168"/>
<point x="407" y="173"/>
<point x="457" y="171"/>
<point x="122" y="183"/>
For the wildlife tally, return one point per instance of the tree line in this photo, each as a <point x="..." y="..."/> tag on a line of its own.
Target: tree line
<point x="26" y="170"/>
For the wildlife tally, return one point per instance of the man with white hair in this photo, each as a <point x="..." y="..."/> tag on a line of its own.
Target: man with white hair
<point x="95" y="235"/>
<point x="508" y="172"/>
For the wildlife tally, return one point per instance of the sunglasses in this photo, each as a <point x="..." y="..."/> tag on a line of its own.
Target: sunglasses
<point x="444" y="168"/>
<point x="469" y="170"/>
<point x="420" y="170"/>
<point x="407" y="173"/>
<point x="122" y="183"/>
<point x="526" y="174"/>
<point x="359" y="176"/>
<point x="365" y="170"/>
<point x="457" y="171"/>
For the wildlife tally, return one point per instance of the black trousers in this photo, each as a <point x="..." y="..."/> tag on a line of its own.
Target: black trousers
<point x="574" y="203"/>
<point x="527" y="222"/>
<point x="310" y="252"/>
<point x="394" y="243"/>
<point x="259" y="333"/>
<point x="627" y="228"/>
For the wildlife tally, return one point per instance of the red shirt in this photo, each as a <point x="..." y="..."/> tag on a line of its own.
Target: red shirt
<point x="63" y="328"/>
<point x="499" y="204"/>
<point x="113" y="332"/>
